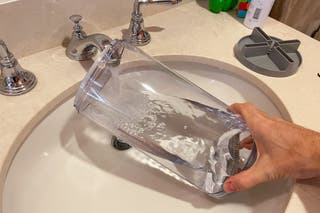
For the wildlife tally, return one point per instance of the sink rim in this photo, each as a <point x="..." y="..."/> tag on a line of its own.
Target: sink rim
<point x="70" y="92"/>
<point x="238" y="72"/>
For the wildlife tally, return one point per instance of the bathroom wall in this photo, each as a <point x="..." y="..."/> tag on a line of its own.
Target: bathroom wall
<point x="29" y="26"/>
<point x="302" y="15"/>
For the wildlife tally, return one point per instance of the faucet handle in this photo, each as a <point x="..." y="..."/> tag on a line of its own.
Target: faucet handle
<point x="3" y="49"/>
<point x="77" y="28"/>
<point x="5" y="55"/>
<point x="75" y="18"/>
<point x="14" y="80"/>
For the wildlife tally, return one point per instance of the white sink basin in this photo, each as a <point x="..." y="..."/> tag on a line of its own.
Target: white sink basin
<point x="68" y="165"/>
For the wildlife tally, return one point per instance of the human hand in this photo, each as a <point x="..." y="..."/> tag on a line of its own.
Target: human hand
<point x="285" y="150"/>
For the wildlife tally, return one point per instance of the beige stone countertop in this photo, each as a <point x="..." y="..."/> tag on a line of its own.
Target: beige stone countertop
<point x="189" y="29"/>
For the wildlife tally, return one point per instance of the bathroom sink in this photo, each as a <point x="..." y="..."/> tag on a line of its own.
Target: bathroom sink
<point x="68" y="165"/>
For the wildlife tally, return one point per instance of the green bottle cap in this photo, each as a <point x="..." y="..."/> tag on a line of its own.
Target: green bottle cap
<point x="217" y="6"/>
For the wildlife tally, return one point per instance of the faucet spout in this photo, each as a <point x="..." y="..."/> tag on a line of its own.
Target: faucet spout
<point x="137" y="3"/>
<point x="138" y="35"/>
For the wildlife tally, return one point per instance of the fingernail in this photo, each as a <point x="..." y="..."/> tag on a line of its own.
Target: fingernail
<point x="229" y="187"/>
<point x="229" y="109"/>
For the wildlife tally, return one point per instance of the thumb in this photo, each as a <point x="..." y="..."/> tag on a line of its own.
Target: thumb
<point x="245" y="179"/>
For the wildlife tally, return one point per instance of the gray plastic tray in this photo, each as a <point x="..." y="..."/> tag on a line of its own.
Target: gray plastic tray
<point x="268" y="55"/>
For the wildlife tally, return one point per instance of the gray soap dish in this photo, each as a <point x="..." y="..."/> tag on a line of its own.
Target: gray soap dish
<point x="268" y="55"/>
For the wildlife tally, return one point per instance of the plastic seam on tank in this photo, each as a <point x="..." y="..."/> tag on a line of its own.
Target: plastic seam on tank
<point x="98" y="98"/>
<point x="170" y="71"/>
<point x="240" y="124"/>
<point x="92" y="73"/>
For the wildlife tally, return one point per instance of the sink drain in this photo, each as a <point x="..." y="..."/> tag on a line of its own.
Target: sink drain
<point x="119" y="145"/>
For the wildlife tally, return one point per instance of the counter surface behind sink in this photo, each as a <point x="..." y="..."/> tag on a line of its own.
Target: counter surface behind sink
<point x="188" y="29"/>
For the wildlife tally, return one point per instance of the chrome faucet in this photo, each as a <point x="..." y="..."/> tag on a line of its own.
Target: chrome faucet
<point x="14" y="80"/>
<point x="81" y="46"/>
<point x="138" y="35"/>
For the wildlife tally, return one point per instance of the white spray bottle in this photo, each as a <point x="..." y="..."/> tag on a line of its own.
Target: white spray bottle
<point x="258" y="13"/>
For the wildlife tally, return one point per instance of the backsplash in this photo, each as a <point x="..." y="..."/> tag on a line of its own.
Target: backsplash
<point x="30" y="26"/>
